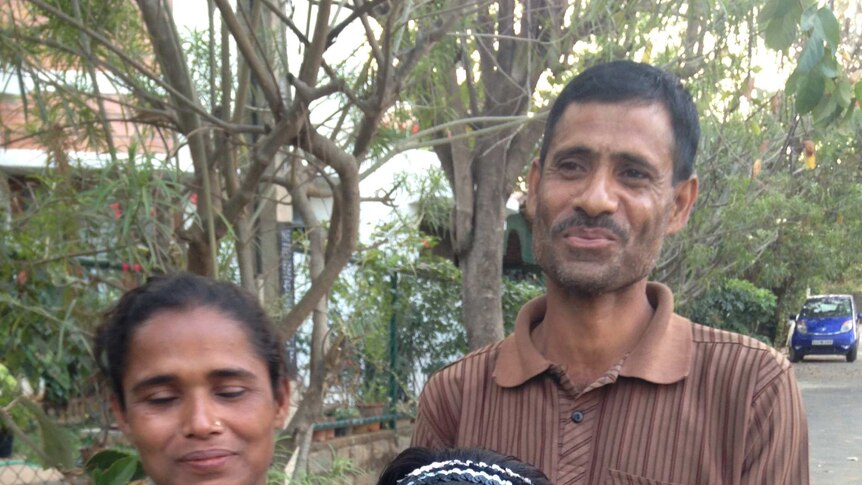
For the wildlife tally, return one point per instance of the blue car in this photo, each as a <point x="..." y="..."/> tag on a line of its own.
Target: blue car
<point x="826" y="326"/>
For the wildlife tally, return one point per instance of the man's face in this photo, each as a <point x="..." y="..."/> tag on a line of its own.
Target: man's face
<point x="605" y="198"/>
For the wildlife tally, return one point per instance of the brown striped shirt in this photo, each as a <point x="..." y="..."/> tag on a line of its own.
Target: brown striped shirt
<point x="689" y="405"/>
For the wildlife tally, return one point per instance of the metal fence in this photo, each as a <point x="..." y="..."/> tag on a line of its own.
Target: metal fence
<point x="15" y="471"/>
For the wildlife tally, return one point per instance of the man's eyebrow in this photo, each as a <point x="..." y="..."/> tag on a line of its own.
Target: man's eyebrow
<point x="587" y="152"/>
<point x="634" y="159"/>
<point x="158" y="380"/>
<point x="232" y="372"/>
<point x="573" y="151"/>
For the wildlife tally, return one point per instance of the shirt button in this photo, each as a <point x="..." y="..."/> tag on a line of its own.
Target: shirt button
<point x="578" y="416"/>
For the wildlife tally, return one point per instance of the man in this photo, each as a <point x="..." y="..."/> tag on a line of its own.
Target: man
<point x="601" y="382"/>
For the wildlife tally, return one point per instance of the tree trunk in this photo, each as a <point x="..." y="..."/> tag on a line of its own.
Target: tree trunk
<point x="482" y="263"/>
<point x="5" y="201"/>
<point x="312" y="399"/>
<point x="511" y="45"/>
<point x="480" y="288"/>
<point x="779" y="331"/>
<point x="200" y="260"/>
<point x="270" y="252"/>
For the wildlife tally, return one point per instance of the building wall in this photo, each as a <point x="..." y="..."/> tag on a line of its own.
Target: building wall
<point x="369" y="451"/>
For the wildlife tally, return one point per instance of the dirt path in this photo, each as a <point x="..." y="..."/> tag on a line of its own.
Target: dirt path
<point x="832" y="391"/>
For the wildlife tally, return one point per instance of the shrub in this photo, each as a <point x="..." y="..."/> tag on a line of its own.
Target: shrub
<point x="735" y="305"/>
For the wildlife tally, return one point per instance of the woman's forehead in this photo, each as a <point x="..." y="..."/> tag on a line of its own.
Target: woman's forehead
<point x="200" y="339"/>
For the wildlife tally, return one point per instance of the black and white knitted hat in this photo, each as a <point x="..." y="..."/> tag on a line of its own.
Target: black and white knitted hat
<point x="463" y="471"/>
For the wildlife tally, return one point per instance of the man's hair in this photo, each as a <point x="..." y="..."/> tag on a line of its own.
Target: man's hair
<point x="627" y="81"/>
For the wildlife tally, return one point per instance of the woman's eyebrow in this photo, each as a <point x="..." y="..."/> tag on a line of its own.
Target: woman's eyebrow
<point x="157" y="380"/>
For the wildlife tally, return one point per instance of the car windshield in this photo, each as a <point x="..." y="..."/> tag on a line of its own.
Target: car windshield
<point x="826" y="307"/>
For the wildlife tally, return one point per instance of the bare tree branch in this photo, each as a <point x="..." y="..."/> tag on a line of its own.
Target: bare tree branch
<point x="326" y="151"/>
<point x="257" y="66"/>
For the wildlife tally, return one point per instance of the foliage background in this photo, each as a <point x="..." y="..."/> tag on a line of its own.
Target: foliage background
<point x="780" y="212"/>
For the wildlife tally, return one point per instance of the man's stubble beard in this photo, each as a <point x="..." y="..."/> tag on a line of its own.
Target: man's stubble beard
<point x="618" y="272"/>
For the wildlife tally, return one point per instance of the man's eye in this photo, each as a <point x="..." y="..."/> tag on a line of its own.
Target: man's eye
<point x="570" y="166"/>
<point x="231" y="392"/>
<point x="632" y="173"/>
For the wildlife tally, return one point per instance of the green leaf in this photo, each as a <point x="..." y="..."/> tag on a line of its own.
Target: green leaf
<point x="97" y="477"/>
<point x="847" y="118"/>
<point x="755" y="128"/>
<point x="858" y="91"/>
<point x="810" y="21"/>
<point x="844" y="92"/>
<point x="774" y="9"/>
<point x="810" y="91"/>
<point x="781" y="32"/>
<point x="831" y="31"/>
<point x="768" y="11"/>
<point x="792" y="81"/>
<point x="825" y="110"/>
<point x="102" y="462"/>
<point x="811" y="53"/>
<point x="829" y="66"/>
<point x="121" y="472"/>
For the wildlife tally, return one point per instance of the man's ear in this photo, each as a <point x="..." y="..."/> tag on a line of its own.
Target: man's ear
<point x="534" y="177"/>
<point x="685" y="194"/>
<point x="120" y="417"/>
<point x="282" y="402"/>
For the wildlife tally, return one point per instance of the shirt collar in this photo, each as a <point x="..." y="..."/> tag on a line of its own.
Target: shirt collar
<point x="662" y="356"/>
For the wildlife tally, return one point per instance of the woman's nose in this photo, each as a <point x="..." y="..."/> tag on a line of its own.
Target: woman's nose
<point x="200" y="419"/>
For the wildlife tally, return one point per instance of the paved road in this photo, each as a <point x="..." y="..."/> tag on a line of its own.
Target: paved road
<point x="832" y="391"/>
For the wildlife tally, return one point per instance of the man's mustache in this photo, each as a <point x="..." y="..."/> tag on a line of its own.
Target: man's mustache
<point x="580" y="218"/>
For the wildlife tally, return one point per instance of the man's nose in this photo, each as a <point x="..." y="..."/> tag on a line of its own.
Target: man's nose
<point x="598" y="195"/>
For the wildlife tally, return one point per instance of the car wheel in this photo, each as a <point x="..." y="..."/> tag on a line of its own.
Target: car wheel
<point x="851" y="354"/>
<point x="793" y="355"/>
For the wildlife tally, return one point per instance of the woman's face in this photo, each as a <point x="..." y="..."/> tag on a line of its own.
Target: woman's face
<point x="199" y="404"/>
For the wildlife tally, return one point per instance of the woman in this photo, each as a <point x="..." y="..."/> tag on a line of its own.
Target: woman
<point x="197" y="378"/>
<point x="426" y="466"/>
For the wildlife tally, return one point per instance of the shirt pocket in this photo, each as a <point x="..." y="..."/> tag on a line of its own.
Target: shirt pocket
<point x="618" y="477"/>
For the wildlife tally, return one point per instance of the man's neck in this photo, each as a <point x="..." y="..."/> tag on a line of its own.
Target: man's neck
<point x="589" y="334"/>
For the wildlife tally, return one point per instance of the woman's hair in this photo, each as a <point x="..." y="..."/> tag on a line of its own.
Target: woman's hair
<point x="180" y="292"/>
<point x="426" y="466"/>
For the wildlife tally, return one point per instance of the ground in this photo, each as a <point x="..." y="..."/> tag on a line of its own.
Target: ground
<point x="832" y="392"/>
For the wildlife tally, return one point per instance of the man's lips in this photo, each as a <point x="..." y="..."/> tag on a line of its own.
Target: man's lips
<point x="582" y="228"/>
<point x="589" y="237"/>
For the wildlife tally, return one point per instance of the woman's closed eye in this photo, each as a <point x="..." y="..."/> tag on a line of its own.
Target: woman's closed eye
<point x="160" y="398"/>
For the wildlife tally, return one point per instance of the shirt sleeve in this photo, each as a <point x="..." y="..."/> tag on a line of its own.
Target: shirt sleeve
<point x="436" y="418"/>
<point x="777" y="444"/>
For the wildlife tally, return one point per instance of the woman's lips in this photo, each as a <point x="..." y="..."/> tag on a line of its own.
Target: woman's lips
<point x="207" y="460"/>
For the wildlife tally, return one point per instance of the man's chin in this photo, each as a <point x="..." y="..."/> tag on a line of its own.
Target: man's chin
<point x="579" y="282"/>
<point x="589" y="289"/>
<point x="585" y="281"/>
